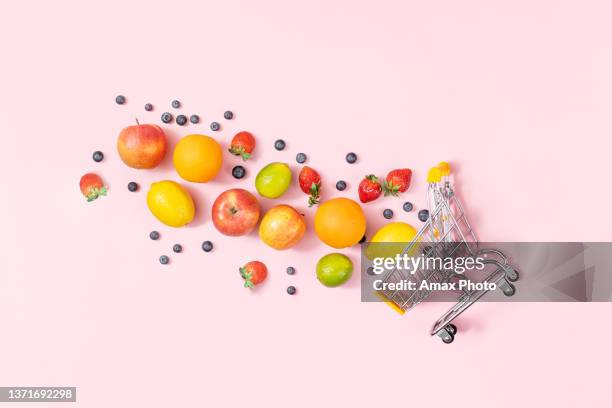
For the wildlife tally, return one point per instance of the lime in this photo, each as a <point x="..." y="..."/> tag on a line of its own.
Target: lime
<point x="334" y="269"/>
<point x="273" y="180"/>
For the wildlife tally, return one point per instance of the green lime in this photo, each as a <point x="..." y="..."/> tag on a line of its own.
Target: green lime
<point x="334" y="269"/>
<point x="273" y="180"/>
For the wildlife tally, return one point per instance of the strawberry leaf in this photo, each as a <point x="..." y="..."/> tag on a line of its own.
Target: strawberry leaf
<point x="391" y="189"/>
<point x="315" y="192"/>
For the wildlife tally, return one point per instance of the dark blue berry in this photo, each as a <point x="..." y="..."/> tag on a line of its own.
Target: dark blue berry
<point x="388" y="213"/>
<point x="279" y="144"/>
<point x="351" y="157"/>
<point x="148" y="107"/>
<point x="120" y="99"/>
<point x="300" y="158"/>
<point x="132" y="186"/>
<point x="215" y="126"/>
<point x="228" y="115"/>
<point x="154" y="235"/>
<point x="370" y="271"/>
<point x="363" y="239"/>
<point x="423" y="215"/>
<point x="290" y="270"/>
<point x="98" y="156"/>
<point x="341" y="185"/>
<point x="194" y="119"/>
<point x="238" y="172"/>
<point x="176" y="104"/>
<point x="408" y="206"/>
<point x="164" y="259"/>
<point x="177" y="248"/>
<point x="207" y="246"/>
<point x="291" y="290"/>
<point x="166" y="117"/>
<point x="181" y="120"/>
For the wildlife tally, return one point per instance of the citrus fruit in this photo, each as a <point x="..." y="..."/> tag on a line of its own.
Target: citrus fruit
<point x="282" y="227"/>
<point x="273" y="180"/>
<point x="334" y="269"/>
<point x="197" y="158"/>
<point x="340" y="222"/>
<point x="170" y="203"/>
<point x="390" y="240"/>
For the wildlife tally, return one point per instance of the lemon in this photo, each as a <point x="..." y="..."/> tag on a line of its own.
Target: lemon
<point x="390" y="240"/>
<point x="197" y="158"/>
<point x="170" y="203"/>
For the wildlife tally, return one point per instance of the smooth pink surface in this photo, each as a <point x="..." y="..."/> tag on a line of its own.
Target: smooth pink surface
<point x="517" y="95"/>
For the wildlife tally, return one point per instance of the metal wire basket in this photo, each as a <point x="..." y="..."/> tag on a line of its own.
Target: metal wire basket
<point x="447" y="233"/>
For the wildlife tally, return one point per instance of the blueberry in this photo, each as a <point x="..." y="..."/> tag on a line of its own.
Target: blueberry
<point x="351" y="157"/>
<point x="341" y="185"/>
<point x="176" y="104"/>
<point x="238" y="172"/>
<point x="300" y="158"/>
<point x="228" y="115"/>
<point x="166" y="117"/>
<point x="177" y="248"/>
<point x="194" y="119"/>
<point x="207" y="246"/>
<point x="370" y="271"/>
<point x="132" y="186"/>
<point x="154" y="235"/>
<point x="363" y="239"/>
<point x="408" y="206"/>
<point x="290" y="270"/>
<point x="291" y="290"/>
<point x="423" y="215"/>
<point x="164" y="259"/>
<point x="279" y="144"/>
<point x="215" y="126"/>
<point x="98" y="156"/>
<point x="120" y="99"/>
<point x="181" y="120"/>
<point x="148" y="107"/>
<point x="388" y="213"/>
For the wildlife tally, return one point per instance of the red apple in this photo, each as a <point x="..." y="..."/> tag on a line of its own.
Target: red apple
<point x="235" y="212"/>
<point x="142" y="146"/>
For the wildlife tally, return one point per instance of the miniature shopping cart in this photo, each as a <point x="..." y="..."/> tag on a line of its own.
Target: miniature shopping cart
<point x="447" y="233"/>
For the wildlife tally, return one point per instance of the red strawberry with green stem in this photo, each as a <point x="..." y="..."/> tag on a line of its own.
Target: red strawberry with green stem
<point x="369" y="189"/>
<point x="92" y="187"/>
<point x="243" y="144"/>
<point x="253" y="273"/>
<point x="397" y="181"/>
<point x="310" y="183"/>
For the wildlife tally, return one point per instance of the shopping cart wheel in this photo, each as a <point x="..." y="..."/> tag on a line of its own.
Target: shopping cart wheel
<point x="512" y="275"/>
<point x="451" y="328"/>
<point x="507" y="288"/>
<point x="448" y="339"/>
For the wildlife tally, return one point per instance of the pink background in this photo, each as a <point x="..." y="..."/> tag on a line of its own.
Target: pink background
<point x="517" y="95"/>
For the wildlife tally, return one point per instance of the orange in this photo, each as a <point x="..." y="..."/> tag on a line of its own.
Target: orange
<point x="340" y="222"/>
<point x="197" y="158"/>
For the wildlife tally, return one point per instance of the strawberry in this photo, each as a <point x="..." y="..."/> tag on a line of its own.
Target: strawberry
<point x="92" y="186"/>
<point x="253" y="273"/>
<point x="397" y="181"/>
<point x="242" y="144"/>
<point x="369" y="189"/>
<point x="310" y="183"/>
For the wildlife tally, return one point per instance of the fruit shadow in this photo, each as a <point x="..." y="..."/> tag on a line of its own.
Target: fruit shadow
<point x="172" y="137"/>
<point x="199" y="200"/>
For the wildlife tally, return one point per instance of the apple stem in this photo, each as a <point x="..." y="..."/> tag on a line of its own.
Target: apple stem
<point x="137" y="122"/>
